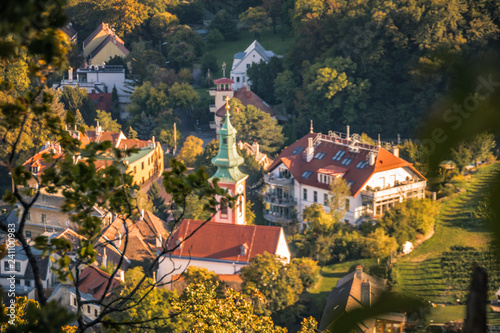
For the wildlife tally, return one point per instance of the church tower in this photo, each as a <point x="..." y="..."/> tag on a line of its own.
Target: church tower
<point x="230" y="177"/>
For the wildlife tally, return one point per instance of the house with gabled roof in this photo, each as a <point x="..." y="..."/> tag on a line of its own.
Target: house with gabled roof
<point x="103" y="44"/>
<point x="358" y="290"/>
<point x="303" y="172"/>
<point x="254" y="53"/>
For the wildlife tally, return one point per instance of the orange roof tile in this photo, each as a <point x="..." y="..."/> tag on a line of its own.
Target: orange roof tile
<point x="223" y="241"/>
<point x="93" y="281"/>
<point x="295" y="160"/>
<point x="248" y="97"/>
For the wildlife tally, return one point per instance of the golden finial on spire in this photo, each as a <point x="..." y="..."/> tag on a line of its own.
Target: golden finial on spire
<point x="227" y="104"/>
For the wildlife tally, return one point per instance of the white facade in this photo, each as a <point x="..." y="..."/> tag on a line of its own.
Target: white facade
<point x="100" y="79"/>
<point x="243" y="60"/>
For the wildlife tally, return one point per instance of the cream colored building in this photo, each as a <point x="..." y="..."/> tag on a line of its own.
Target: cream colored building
<point x="103" y="44"/>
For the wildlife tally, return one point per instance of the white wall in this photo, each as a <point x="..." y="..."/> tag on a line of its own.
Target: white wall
<point x="240" y="70"/>
<point x="174" y="266"/>
<point x="386" y="178"/>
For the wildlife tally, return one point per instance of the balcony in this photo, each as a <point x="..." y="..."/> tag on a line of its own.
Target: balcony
<point x="281" y="181"/>
<point x="212" y="108"/>
<point x="275" y="200"/>
<point x="400" y="190"/>
<point x="276" y="218"/>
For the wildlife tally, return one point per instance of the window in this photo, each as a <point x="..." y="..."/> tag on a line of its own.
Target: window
<point x="346" y="161"/>
<point x="319" y="155"/>
<point x="248" y="65"/>
<point x="338" y="155"/>
<point x="27" y="283"/>
<point x="74" y="301"/>
<point x="325" y="199"/>
<point x="361" y="165"/>
<point x="315" y="196"/>
<point x="96" y="313"/>
<point x="135" y="169"/>
<point x="149" y="162"/>
<point x="142" y="165"/>
<point x="6" y="266"/>
<point x="297" y="150"/>
<point x="347" y="204"/>
<point x="28" y="234"/>
<point x="305" y="194"/>
<point x="237" y="79"/>
<point x="143" y="180"/>
<point x="44" y="218"/>
<point x="223" y="210"/>
<point x="88" y="309"/>
<point x="307" y="174"/>
<point x="224" y="141"/>
<point x="28" y="216"/>
<point x="18" y="266"/>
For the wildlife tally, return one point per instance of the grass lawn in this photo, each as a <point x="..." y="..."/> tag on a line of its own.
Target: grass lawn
<point x="224" y="51"/>
<point x="443" y="314"/>
<point x="419" y="273"/>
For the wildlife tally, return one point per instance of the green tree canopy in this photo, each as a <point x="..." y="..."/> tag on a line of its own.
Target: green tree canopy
<point x="191" y="148"/>
<point x="108" y="124"/>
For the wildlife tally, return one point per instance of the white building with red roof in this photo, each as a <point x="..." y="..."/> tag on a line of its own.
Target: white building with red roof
<point x="302" y="173"/>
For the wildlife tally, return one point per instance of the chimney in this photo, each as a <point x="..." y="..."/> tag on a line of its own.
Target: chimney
<point x="70" y="74"/>
<point x="142" y="214"/>
<point x="348" y="137"/>
<point x="358" y="272"/>
<point x="240" y="145"/>
<point x="153" y="139"/>
<point x="122" y="275"/>
<point x="104" y="258"/>
<point x="372" y="156"/>
<point x="98" y="129"/>
<point x="366" y="294"/>
<point x="395" y="151"/>
<point x="379" y="143"/>
<point x="255" y="147"/>
<point x="248" y="92"/>
<point x="310" y="150"/>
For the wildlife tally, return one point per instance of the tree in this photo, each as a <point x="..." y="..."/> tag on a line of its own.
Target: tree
<point x="152" y="101"/>
<point x="232" y="313"/>
<point x="161" y="22"/>
<point x="214" y="37"/>
<point x="256" y="19"/>
<point x="273" y="9"/>
<point x="77" y="99"/>
<point x="183" y="95"/>
<point x="481" y="146"/>
<point x="224" y="23"/>
<point x="337" y="201"/>
<point x="318" y="220"/>
<point x="262" y="75"/>
<point x="115" y="105"/>
<point x="200" y="275"/>
<point x="205" y="159"/>
<point x="126" y="15"/>
<point x="308" y="270"/>
<point x="379" y="245"/>
<point x="278" y="282"/>
<point x="132" y="134"/>
<point x="107" y="123"/>
<point x="192" y="147"/>
<point x="151" y="306"/>
<point x="209" y="62"/>
<point x="166" y="136"/>
<point x="256" y="125"/>
<point x="284" y="88"/>
<point x="159" y="206"/>
<point x="462" y="156"/>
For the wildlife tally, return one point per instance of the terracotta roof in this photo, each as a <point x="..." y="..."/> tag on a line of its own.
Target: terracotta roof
<point x="93" y="281"/>
<point x="104" y="136"/>
<point x="38" y="161"/>
<point x="248" y="97"/>
<point x="223" y="80"/>
<point x="294" y="158"/>
<point x="224" y="241"/>
<point x="142" y="236"/>
<point x="71" y="236"/>
<point x="132" y="143"/>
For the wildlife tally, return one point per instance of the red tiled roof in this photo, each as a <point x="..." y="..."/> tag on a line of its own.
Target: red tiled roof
<point x="93" y="281"/>
<point x="297" y="163"/>
<point x="142" y="235"/>
<point x="248" y="98"/>
<point x="223" y="241"/>
<point x="223" y="80"/>
<point x="132" y="143"/>
<point x="38" y="161"/>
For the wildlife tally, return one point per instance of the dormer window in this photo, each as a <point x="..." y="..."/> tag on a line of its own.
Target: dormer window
<point x="244" y="249"/>
<point x="319" y="155"/>
<point x="346" y="161"/>
<point x="34" y="170"/>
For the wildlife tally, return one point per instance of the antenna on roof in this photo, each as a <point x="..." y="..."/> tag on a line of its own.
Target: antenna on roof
<point x="312" y="131"/>
<point x="379" y="139"/>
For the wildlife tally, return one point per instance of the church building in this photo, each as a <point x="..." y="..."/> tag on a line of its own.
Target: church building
<point x="225" y="243"/>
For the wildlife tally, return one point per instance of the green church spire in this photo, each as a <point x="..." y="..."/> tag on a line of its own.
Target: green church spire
<point x="228" y="160"/>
